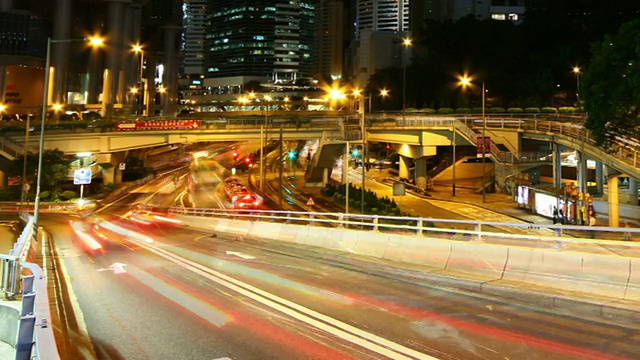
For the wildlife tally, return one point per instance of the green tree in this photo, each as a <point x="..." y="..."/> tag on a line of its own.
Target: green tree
<point x="610" y="86"/>
<point x="55" y="168"/>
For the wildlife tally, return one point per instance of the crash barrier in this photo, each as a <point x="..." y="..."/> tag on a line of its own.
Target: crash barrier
<point x="33" y="333"/>
<point x="606" y="268"/>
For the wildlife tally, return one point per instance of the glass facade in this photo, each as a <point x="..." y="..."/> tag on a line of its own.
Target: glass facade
<point x="269" y="39"/>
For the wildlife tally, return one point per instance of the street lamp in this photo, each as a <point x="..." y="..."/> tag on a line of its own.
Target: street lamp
<point x="466" y="81"/>
<point x="94" y="41"/>
<point x="576" y="70"/>
<point x="138" y="49"/>
<point x="263" y="140"/>
<point x="406" y="43"/>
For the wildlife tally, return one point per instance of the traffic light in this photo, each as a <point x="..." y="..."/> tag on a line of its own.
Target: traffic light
<point x="292" y="154"/>
<point x="388" y="146"/>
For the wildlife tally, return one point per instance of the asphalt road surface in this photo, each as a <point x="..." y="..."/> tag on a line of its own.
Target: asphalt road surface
<point x="167" y="292"/>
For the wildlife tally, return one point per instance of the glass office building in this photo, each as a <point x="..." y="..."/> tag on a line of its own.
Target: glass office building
<point x="269" y="40"/>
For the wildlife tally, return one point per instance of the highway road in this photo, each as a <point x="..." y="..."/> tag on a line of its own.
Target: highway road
<point x="164" y="292"/>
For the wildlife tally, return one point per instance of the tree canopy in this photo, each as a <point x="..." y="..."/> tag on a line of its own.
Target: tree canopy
<point x="611" y="86"/>
<point x="55" y="168"/>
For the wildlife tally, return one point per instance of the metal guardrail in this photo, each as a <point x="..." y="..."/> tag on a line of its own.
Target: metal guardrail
<point x="555" y="235"/>
<point x="35" y="339"/>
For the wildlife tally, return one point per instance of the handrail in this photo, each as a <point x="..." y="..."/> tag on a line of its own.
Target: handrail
<point x="418" y="226"/>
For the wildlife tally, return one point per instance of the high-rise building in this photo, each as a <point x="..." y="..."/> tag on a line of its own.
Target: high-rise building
<point x="381" y="26"/>
<point x="330" y="38"/>
<point x="382" y="15"/>
<point x="193" y="36"/>
<point x="440" y="10"/>
<point x="270" y="41"/>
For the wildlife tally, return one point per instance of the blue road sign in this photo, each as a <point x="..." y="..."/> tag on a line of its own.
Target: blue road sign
<point x="82" y="176"/>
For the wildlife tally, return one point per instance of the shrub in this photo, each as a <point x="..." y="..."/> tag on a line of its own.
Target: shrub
<point x="427" y="111"/>
<point x="515" y="110"/>
<point x="532" y="110"/>
<point x="445" y="110"/>
<point x="463" y="110"/>
<point x="45" y="195"/>
<point x="495" y="110"/>
<point x="67" y="195"/>
<point x="549" y="110"/>
<point x="567" y="110"/>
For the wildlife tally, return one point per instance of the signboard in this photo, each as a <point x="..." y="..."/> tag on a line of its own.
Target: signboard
<point x="122" y="166"/>
<point x="398" y="189"/>
<point x="310" y="202"/>
<point x="487" y="146"/>
<point x="158" y="125"/>
<point x="82" y="176"/>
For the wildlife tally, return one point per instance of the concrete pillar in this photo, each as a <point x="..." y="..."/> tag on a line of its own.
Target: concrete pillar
<point x="325" y="176"/>
<point x="150" y="75"/>
<point x="599" y="178"/>
<point x="420" y="175"/>
<point x="60" y="51"/>
<point x="170" y="75"/>
<point x="557" y="166"/>
<point x="94" y="76"/>
<point x="6" y="5"/>
<point x="404" y="167"/>
<point x="3" y="82"/>
<point x="582" y="174"/>
<point x="633" y="191"/>
<point x="110" y="88"/>
<point x="614" y="201"/>
<point x="127" y="66"/>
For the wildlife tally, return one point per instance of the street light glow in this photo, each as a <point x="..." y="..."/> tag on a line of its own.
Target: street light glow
<point x="576" y="69"/>
<point x="407" y="42"/>
<point x="96" y="41"/>
<point x="137" y="48"/>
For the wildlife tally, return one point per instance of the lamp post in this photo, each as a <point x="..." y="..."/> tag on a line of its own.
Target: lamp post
<point x="138" y="49"/>
<point x="94" y="41"/>
<point x="466" y="81"/>
<point x="361" y="99"/>
<point x="406" y="43"/>
<point x="484" y="145"/>
<point x="263" y="139"/>
<point x="576" y="70"/>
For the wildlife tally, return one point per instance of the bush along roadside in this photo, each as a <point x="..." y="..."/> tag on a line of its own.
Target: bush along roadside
<point x="373" y="205"/>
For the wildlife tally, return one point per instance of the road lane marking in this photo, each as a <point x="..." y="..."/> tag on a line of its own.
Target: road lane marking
<point x="116" y="267"/>
<point x="313" y="318"/>
<point x="241" y="255"/>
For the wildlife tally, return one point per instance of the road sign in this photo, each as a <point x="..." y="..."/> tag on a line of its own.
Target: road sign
<point x="82" y="176"/>
<point x="310" y="202"/>
<point x="122" y="166"/>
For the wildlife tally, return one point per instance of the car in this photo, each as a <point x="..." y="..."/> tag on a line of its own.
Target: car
<point x="249" y="201"/>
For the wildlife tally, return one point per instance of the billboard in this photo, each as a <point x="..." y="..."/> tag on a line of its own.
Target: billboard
<point x="487" y="146"/>
<point x="23" y="89"/>
<point x="158" y="125"/>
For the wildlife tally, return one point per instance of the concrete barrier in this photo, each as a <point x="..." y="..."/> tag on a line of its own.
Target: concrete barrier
<point x="595" y="274"/>
<point x="418" y="250"/>
<point x="481" y="259"/>
<point x="633" y="286"/>
<point x="9" y="315"/>
<point x="371" y="243"/>
<point x="614" y="277"/>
